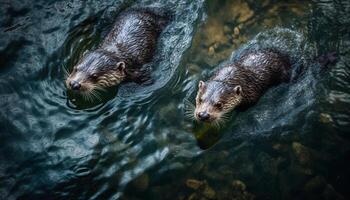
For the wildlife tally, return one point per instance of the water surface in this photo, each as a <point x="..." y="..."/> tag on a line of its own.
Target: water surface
<point x="137" y="143"/>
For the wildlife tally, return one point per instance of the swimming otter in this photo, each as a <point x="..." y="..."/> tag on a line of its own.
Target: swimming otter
<point x="240" y="84"/>
<point x="130" y="44"/>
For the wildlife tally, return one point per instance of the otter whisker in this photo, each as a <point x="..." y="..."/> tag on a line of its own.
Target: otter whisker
<point x="225" y="117"/>
<point x="92" y="96"/>
<point x="222" y="120"/>
<point x="217" y="124"/>
<point x="189" y="112"/>
<point x="65" y="71"/>
<point x="87" y="96"/>
<point x="84" y="96"/>
<point x="190" y="116"/>
<point x="96" y="94"/>
<point x="189" y="104"/>
<point x="99" y="88"/>
<point x="189" y="109"/>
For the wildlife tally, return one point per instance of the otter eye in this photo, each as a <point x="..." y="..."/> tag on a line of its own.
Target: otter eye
<point x="218" y="105"/>
<point x="94" y="76"/>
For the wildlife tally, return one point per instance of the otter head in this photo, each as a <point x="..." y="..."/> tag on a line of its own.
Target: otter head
<point x="215" y="99"/>
<point x="96" y="70"/>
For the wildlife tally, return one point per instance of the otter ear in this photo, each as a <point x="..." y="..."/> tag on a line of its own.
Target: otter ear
<point x="121" y="66"/>
<point x="201" y="84"/>
<point x="238" y="90"/>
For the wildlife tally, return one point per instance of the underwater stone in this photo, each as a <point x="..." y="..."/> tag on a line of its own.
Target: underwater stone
<point x="239" y="185"/>
<point x="209" y="192"/>
<point x="326" y="118"/>
<point x="236" y="32"/>
<point x="302" y="153"/>
<point x="203" y="190"/>
<point x="194" y="184"/>
<point x="211" y="50"/>
<point x="239" y="191"/>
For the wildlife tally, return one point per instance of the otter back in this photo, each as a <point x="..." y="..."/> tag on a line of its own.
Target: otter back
<point x="255" y="71"/>
<point x="134" y="36"/>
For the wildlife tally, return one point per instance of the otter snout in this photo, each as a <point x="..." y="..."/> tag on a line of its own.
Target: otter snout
<point x="203" y="116"/>
<point x="74" y="85"/>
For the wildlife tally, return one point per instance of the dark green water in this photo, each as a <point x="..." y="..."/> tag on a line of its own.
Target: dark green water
<point x="137" y="143"/>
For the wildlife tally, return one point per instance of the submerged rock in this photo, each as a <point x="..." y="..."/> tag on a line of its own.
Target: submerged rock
<point x="211" y="51"/>
<point x="302" y="153"/>
<point x="238" y="185"/>
<point x="202" y="190"/>
<point x="236" y="32"/>
<point x="209" y="192"/>
<point x="239" y="191"/>
<point x="325" y="118"/>
<point x="194" y="184"/>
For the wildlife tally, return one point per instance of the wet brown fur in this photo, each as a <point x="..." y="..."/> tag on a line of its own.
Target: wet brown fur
<point x="137" y="45"/>
<point x="269" y="68"/>
<point x="132" y="41"/>
<point x="254" y="72"/>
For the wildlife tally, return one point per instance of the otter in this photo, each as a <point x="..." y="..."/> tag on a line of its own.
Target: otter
<point x="128" y="46"/>
<point x="240" y="84"/>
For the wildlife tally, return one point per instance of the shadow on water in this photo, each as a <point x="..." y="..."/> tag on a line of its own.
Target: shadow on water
<point x="137" y="143"/>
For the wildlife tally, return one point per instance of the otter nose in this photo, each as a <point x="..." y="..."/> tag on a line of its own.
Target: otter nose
<point x="75" y="85"/>
<point x="203" y="116"/>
